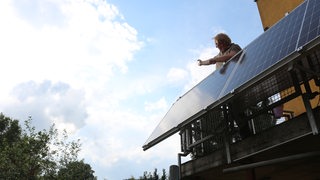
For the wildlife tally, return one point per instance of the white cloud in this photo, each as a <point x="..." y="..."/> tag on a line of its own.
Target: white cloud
<point x="198" y="73"/>
<point x="83" y="47"/>
<point x="48" y="103"/>
<point x="116" y="136"/>
<point x="176" y="75"/>
<point x="86" y="39"/>
<point x="160" y="104"/>
<point x="65" y="62"/>
<point x="60" y="57"/>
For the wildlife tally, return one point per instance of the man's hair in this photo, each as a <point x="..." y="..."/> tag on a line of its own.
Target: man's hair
<point x="223" y="38"/>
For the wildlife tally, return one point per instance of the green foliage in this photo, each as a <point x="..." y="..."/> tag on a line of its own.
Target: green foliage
<point x="9" y="130"/>
<point x="164" y="175"/>
<point x="76" y="170"/>
<point x="152" y="176"/>
<point x="28" y="154"/>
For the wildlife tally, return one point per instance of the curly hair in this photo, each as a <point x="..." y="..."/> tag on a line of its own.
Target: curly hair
<point x="223" y="39"/>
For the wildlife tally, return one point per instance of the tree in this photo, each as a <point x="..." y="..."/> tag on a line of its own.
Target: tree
<point x="155" y="174"/>
<point x="164" y="175"/>
<point x="22" y="153"/>
<point x="9" y="130"/>
<point x="76" y="170"/>
<point x="28" y="154"/>
<point x="151" y="176"/>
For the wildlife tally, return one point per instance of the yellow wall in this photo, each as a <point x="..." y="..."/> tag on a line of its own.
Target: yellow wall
<point x="296" y="105"/>
<point x="271" y="11"/>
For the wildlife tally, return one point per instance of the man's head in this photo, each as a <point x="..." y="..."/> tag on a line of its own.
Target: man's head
<point x="222" y="41"/>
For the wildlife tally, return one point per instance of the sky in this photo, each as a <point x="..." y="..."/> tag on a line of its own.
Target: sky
<point x="107" y="71"/>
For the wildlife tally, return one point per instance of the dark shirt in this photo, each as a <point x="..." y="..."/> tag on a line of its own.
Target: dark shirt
<point x="233" y="47"/>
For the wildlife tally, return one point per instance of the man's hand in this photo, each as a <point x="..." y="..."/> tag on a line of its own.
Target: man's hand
<point x="206" y="62"/>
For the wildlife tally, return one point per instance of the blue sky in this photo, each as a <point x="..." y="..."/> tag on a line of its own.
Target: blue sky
<point x="108" y="71"/>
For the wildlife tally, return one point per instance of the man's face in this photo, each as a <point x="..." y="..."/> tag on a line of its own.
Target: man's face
<point x="218" y="45"/>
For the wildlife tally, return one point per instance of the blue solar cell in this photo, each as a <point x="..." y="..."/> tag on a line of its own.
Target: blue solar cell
<point x="311" y="23"/>
<point x="274" y="45"/>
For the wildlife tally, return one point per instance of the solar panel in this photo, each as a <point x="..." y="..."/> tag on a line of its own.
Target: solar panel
<point x="193" y="102"/>
<point x="311" y="28"/>
<point x="271" y="47"/>
<point x="291" y="33"/>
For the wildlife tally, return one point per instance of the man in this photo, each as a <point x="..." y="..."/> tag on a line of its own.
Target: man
<point x="227" y="51"/>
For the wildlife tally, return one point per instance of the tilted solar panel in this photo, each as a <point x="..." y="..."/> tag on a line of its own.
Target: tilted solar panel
<point x="192" y="102"/>
<point x="311" y="25"/>
<point x="290" y="34"/>
<point x="271" y="47"/>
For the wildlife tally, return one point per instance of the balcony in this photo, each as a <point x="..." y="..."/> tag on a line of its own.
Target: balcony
<point x="288" y="150"/>
<point x="259" y="133"/>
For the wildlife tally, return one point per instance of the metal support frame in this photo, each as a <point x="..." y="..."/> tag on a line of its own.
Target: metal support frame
<point x="310" y="114"/>
<point x="305" y="98"/>
<point x="199" y="141"/>
<point x="226" y="137"/>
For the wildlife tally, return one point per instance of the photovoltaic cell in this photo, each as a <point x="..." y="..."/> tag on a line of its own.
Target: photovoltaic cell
<point x="311" y="27"/>
<point x="271" y="47"/>
<point x="297" y="29"/>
